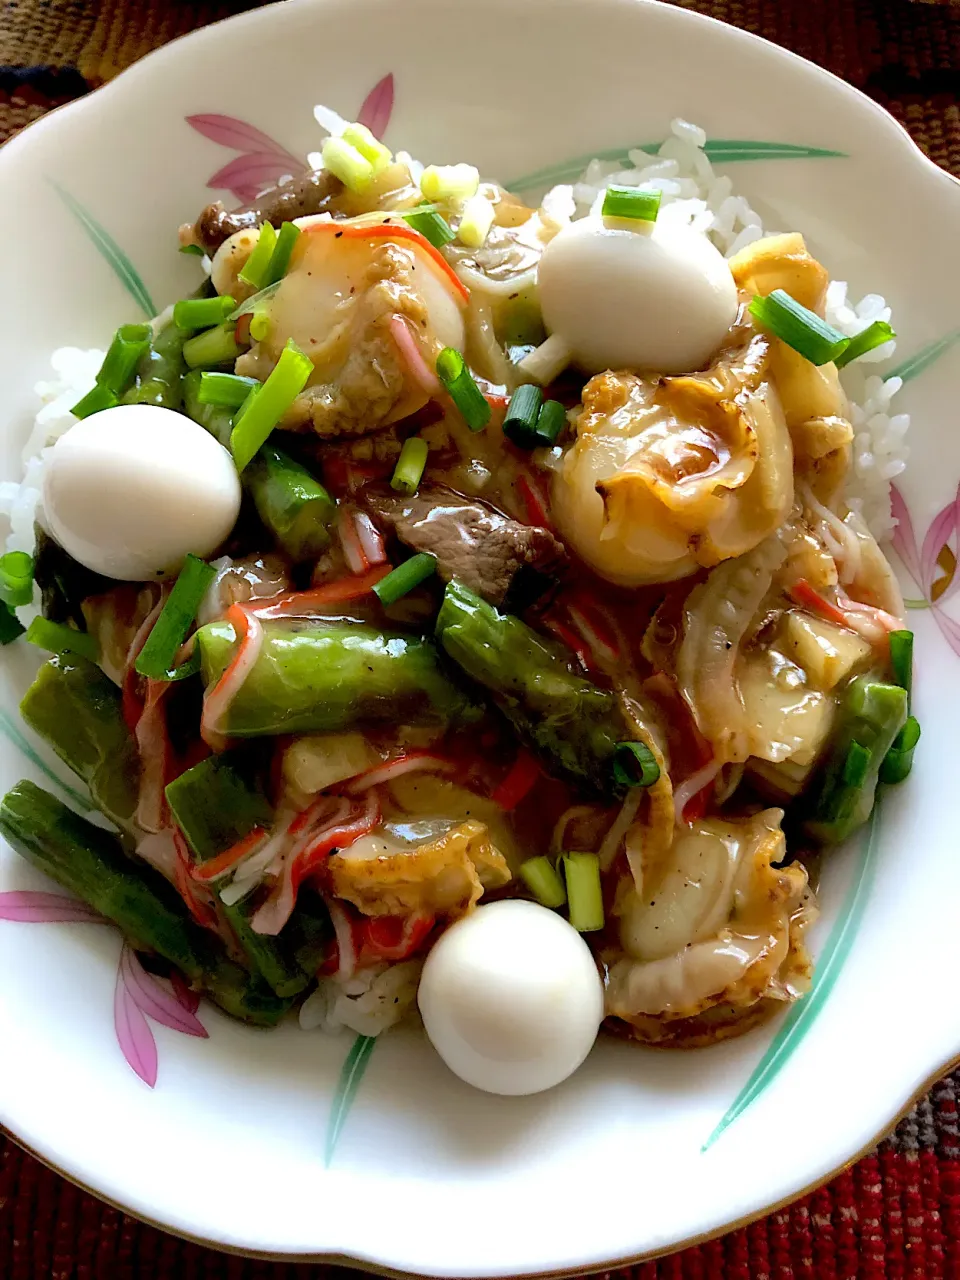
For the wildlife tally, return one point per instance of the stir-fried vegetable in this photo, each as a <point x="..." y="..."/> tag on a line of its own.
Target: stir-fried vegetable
<point x="315" y="677"/>
<point x="574" y="726"/>
<point x="160" y="371"/>
<point x="296" y="508"/>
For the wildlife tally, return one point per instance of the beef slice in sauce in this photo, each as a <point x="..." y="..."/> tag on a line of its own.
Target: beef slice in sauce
<point x="471" y="540"/>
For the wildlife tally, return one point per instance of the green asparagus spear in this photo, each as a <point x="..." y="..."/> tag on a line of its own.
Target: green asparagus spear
<point x="160" y="370"/>
<point x="215" y="418"/>
<point x="573" y="725"/>
<point x="899" y="760"/>
<point x="90" y="862"/>
<point x="215" y="808"/>
<point x="294" y="506"/>
<point x="75" y="708"/>
<point x="871" y="717"/>
<point x="319" y="677"/>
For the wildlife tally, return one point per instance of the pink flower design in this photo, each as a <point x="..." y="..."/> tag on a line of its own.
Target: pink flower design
<point x="261" y="161"/>
<point x="934" y="567"/>
<point x="138" y="994"/>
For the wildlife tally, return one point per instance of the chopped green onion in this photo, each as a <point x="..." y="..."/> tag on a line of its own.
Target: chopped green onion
<point x="212" y="347"/>
<point x="192" y="250"/>
<point x="57" y="637"/>
<point x="372" y="149"/>
<point x="130" y="343"/>
<point x="875" y="335"/>
<point x="405" y="577"/>
<point x="16" y="578"/>
<point x="410" y="465"/>
<point x="552" y="420"/>
<point x="94" y="401"/>
<point x="155" y="660"/>
<point x="259" y="326"/>
<point x="901" y="658"/>
<point x="634" y="765"/>
<point x="541" y="878"/>
<point x="582" y="873"/>
<point x="898" y="761"/>
<point x="475" y="221"/>
<point x="254" y="270"/>
<point x="520" y="421"/>
<point x="449" y="181"/>
<point x="226" y="389"/>
<point x="629" y="202"/>
<point x="799" y="328"/>
<point x="466" y="395"/>
<point x="10" y="625"/>
<point x="287" y="237"/>
<point x="254" y="302"/>
<point x="431" y="226"/>
<point x="202" y="313"/>
<point x="345" y="162"/>
<point x="266" y="404"/>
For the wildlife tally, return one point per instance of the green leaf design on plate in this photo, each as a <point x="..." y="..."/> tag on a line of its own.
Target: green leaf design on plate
<point x="124" y="269"/>
<point x="720" y="151"/>
<point x="804" y="1013"/>
<point x="351" y="1074"/>
<point x="10" y="730"/>
<point x="921" y="360"/>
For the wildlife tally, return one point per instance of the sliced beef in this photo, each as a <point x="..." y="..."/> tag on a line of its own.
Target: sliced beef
<point x="472" y="541"/>
<point x="304" y="195"/>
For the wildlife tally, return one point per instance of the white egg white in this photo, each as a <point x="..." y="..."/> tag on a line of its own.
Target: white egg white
<point x="131" y="490"/>
<point x="511" y="998"/>
<point x="636" y="295"/>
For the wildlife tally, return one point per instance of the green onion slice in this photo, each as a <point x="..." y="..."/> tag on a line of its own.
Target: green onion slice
<point x="464" y="392"/>
<point x="898" y="761"/>
<point x="228" y="390"/>
<point x="192" y="250"/>
<point x="431" y="226"/>
<point x="799" y="328"/>
<point x="875" y="335"/>
<point x="287" y="237"/>
<point x="266" y="404"/>
<point x="541" y="878"/>
<point x="130" y="343"/>
<point x="202" y="313"/>
<point x="94" y="401"/>
<point x="628" y="202"/>
<point x="212" y="347"/>
<point x="523" y="412"/>
<point x="10" y="626"/>
<point x="16" y="578"/>
<point x="857" y="765"/>
<point x="409" y="469"/>
<point x="155" y="660"/>
<point x="552" y="420"/>
<point x="901" y="658"/>
<point x="255" y="268"/>
<point x="255" y="301"/>
<point x="57" y="637"/>
<point x="582" y="874"/>
<point x="634" y="765"/>
<point x="405" y="577"/>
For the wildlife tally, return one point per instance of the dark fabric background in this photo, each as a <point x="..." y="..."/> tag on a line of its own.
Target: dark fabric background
<point x="895" y="1214"/>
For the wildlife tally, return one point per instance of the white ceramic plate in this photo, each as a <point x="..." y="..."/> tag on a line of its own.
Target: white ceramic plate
<point x="428" y="1175"/>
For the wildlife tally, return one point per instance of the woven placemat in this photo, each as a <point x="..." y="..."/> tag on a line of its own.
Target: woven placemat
<point x="896" y="1214"/>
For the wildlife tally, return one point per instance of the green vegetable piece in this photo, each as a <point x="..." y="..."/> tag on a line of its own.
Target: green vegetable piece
<point x="212" y="347"/>
<point x="799" y="328"/>
<point x="871" y="717"/>
<point x="10" y="626"/>
<point x="319" y="677"/>
<point x="254" y="271"/>
<point x="296" y="508"/>
<point x="431" y="225"/>
<point x="77" y="711"/>
<point x="460" y="383"/>
<point x="160" y="370"/>
<point x="571" y="724"/>
<point x="875" y="335"/>
<point x="552" y="420"/>
<point x="215" y="418"/>
<point x="91" y="863"/>
<point x="585" y="895"/>
<point x="287" y="237"/>
<point x="634" y="765"/>
<point x="130" y="344"/>
<point x="58" y="637"/>
<point x="155" y="660"/>
<point x="629" y="202"/>
<point x="309" y="931"/>
<point x="64" y="582"/>
<point x="899" y="759"/>
<point x="409" y="469"/>
<point x="202" y="313"/>
<point x="523" y="411"/>
<point x="901" y="658"/>
<point x="405" y="577"/>
<point x="16" y="578"/>
<point x="225" y="389"/>
<point x="94" y="401"/>
<point x="267" y="404"/>
<point x="541" y="878"/>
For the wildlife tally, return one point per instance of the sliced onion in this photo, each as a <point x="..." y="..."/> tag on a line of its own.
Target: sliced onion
<point x="353" y="551"/>
<point x="346" y="947"/>
<point x="411" y="762"/>
<point x="621" y="824"/>
<point x="694" y="785"/>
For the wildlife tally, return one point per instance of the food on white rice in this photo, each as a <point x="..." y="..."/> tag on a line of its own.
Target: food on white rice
<point x="557" y="520"/>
